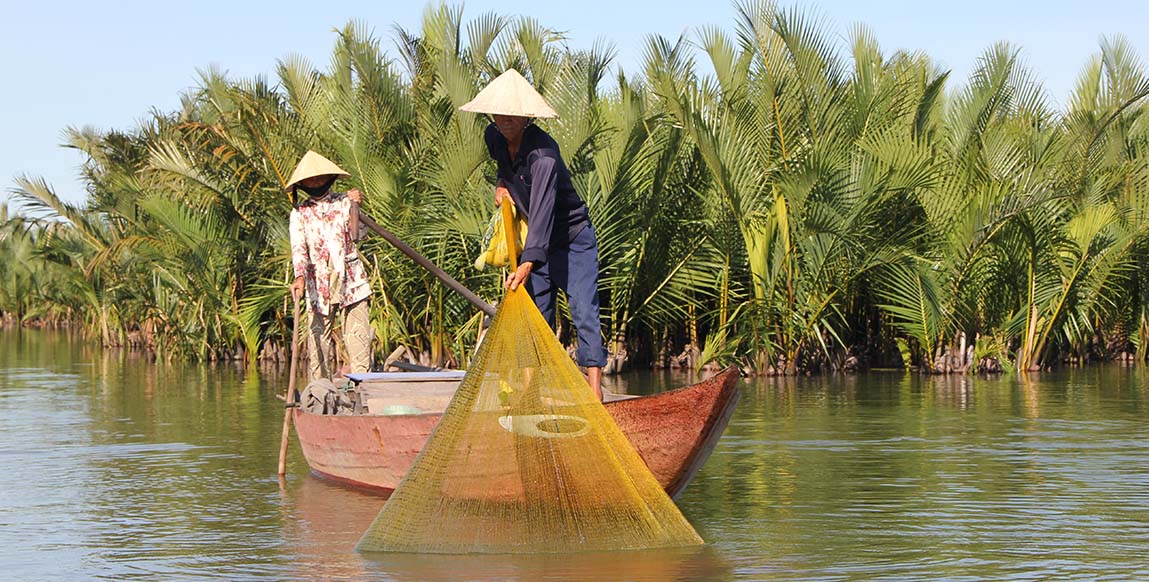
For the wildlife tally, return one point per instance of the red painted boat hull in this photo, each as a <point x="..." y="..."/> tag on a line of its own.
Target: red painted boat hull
<point x="673" y="432"/>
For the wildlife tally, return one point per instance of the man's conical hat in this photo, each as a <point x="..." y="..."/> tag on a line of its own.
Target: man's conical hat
<point x="510" y="94"/>
<point x="313" y="165"/>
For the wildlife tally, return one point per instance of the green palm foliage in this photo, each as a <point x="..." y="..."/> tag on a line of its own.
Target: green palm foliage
<point x="18" y="268"/>
<point x="771" y="196"/>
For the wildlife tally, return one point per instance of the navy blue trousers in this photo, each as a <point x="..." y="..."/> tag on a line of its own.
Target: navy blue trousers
<point x="574" y="270"/>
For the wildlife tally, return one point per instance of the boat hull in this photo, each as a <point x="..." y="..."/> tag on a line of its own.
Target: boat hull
<point x="674" y="433"/>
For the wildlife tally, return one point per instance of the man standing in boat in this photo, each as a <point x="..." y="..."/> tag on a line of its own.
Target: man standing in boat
<point x="324" y="228"/>
<point x="561" y="250"/>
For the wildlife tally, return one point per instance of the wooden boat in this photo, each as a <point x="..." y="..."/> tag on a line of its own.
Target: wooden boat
<point x="674" y="432"/>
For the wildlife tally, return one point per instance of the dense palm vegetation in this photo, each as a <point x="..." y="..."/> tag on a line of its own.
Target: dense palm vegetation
<point x="806" y="205"/>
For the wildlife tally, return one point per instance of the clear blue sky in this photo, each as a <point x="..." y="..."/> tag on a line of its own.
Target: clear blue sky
<point x="106" y="64"/>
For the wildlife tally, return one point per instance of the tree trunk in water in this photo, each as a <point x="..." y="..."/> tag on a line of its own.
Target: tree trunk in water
<point x="618" y="356"/>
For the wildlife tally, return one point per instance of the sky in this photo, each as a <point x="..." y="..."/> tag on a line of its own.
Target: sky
<point x="107" y="64"/>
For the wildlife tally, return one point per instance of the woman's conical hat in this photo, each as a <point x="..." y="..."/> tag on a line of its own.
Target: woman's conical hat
<point x="313" y="165"/>
<point x="510" y="94"/>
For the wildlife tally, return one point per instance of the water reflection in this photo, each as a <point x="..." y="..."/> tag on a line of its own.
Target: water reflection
<point x="321" y="524"/>
<point x="894" y="475"/>
<point x="323" y="521"/>
<point x="701" y="564"/>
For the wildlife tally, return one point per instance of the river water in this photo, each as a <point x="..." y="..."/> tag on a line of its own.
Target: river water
<point x="115" y="468"/>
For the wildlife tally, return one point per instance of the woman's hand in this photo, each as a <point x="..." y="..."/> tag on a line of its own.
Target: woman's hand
<point x="519" y="276"/>
<point x="297" y="288"/>
<point x="355" y="195"/>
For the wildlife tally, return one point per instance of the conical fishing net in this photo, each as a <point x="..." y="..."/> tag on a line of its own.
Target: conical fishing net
<point x="526" y="460"/>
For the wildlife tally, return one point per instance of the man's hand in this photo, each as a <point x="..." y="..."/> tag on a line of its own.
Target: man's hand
<point x="355" y="195"/>
<point x="501" y="192"/>
<point x="519" y="276"/>
<point x="297" y="288"/>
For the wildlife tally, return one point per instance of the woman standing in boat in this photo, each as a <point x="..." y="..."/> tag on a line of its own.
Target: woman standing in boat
<point x="561" y="251"/>
<point x="324" y="228"/>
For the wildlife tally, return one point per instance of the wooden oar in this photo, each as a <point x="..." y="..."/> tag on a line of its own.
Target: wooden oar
<point x="290" y="402"/>
<point x="447" y="280"/>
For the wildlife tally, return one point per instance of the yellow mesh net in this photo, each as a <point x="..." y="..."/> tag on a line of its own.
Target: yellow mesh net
<point x="526" y="460"/>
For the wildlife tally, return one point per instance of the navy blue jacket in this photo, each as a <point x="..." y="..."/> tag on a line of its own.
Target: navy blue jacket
<point x="540" y="185"/>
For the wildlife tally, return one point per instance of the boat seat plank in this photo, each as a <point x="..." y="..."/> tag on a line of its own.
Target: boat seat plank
<point x="379" y="392"/>
<point x="608" y="396"/>
<point x="360" y="377"/>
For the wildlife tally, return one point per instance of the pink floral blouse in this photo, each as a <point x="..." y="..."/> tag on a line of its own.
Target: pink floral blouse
<point x="323" y="253"/>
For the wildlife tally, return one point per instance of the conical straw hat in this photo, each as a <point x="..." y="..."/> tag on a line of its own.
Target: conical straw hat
<point x="510" y="94"/>
<point x="313" y="165"/>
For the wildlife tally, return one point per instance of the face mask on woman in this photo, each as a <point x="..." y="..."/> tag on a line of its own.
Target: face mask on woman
<point x="318" y="191"/>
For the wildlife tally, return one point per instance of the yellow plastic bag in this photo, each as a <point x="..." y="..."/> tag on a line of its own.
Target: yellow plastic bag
<point x="495" y="240"/>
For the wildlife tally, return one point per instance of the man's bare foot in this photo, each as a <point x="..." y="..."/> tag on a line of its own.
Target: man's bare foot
<point x="594" y="377"/>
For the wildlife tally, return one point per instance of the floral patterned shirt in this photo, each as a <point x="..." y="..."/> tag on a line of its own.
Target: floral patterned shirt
<point x="323" y="253"/>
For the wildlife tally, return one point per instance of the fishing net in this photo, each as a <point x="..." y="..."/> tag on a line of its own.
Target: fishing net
<point x="526" y="460"/>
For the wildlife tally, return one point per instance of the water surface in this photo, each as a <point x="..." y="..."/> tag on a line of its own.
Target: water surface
<point x="116" y="468"/>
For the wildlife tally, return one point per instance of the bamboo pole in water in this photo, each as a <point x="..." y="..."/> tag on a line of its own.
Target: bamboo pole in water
<point x="290" y="402"/>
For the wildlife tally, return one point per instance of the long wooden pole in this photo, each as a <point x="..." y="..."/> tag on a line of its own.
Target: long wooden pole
<point x="512" y="238"/>
<point x="447" y="280"/>
<point x="289" y="403"/>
